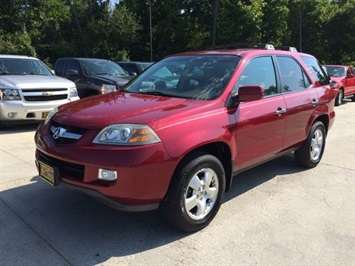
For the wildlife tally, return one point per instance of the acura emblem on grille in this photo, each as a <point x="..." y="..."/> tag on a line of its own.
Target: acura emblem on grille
<point x="47" y="93"/>
<point x="58" y="132"/>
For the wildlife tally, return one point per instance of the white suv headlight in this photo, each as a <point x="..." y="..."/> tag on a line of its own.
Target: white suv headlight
<point x="73" y="92"/>
<point x="10" y="95"/>
<point x="126" y="134"/>
<point x="107" y="88"/>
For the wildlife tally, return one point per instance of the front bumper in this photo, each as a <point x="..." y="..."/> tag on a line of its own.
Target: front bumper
<point x="19" y="110"/>
<point x="143" y="172"/>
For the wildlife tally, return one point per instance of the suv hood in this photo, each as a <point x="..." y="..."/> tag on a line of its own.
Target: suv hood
<point x="34" y="82"/>
<point x="99" y="111"/>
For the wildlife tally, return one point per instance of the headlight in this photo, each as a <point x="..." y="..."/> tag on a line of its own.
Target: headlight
<point x="107" y="88"/>
<point x="10" y="95"/>
<point x="73" y="92"/>
<point x="126" y="134"/>
<point x="50" y="115"/>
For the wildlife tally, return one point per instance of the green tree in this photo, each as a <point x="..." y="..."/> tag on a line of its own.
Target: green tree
<point x="307" y="23"/>
<point x="340" y="35"/>
<point x="240" y="21"/>
<point x="274" y="27"/>
<point x="93" y="28"/>
<point x="13" y="35"/>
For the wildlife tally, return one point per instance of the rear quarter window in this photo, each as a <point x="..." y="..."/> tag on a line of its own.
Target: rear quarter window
<point x="316" y="69"/>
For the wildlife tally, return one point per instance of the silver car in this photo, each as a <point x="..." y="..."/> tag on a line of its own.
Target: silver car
<point x="29" y="90"/>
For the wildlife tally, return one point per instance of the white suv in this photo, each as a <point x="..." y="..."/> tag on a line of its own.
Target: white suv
<point x="29" y="90"/>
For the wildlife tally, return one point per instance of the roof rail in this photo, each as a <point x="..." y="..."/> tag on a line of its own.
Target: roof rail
<point x="287" y="48"/>
<point x="241" y="45"/>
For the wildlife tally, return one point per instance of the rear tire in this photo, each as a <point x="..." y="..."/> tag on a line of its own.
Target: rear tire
<point x="195" y="193"/>
<point x="311" y="151"/>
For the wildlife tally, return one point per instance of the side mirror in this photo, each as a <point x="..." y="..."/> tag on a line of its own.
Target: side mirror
<point x="250" y="93"/>
<point x="73" y="73"/>
<point x="333" y="84"/>
<point x="246" y="94"/>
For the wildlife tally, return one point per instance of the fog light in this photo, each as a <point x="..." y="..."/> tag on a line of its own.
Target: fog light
<point x="11" y="115"/>
<point x="107" y="175"/>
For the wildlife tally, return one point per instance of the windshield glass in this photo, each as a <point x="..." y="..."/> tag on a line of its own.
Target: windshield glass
<point x="202" y="77"/>
<point x="336" y="71"/>
<point x="19" y="66"/>
<point x="102" y="67"/>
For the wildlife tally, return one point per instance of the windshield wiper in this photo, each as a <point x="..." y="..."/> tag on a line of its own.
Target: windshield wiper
<point x="40" y="74"/>
<point x="104" y="74"/>
<point x="9" y="73"/>
<point x="158" y="93"/>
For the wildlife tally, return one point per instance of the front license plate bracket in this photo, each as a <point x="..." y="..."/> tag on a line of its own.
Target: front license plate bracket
<point x="44" y="115"/>
<point x="49" y="173"/>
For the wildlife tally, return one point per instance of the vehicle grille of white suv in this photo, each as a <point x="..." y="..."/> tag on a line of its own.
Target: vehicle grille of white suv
<point x="39" y="95"/>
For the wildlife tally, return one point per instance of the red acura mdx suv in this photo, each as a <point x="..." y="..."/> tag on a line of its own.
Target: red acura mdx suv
<point x="175" y="137"/>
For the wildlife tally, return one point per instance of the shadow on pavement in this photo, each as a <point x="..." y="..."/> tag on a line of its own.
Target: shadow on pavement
<point x="83" y="231"/>
<point x="256" y="176"/>
<point x="18" y="128"/>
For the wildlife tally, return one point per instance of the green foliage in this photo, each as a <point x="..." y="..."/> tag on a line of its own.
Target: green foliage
<point x="17" y="43"/>
<point x="93" y="28"/>
<point x="274" y="28"/>
<point x="340" y="35"/>
<point x="240" y="21"/>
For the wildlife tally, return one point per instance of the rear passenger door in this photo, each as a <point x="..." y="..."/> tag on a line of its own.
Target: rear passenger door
<point x="260" y="127"/>
<point x="301" y="99"/>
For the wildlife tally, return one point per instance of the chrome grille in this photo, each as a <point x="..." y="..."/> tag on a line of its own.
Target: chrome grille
<point x="38" y="95"/>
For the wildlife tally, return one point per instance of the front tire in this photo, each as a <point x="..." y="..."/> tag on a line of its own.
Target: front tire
<point x="311" y="151"/>
<point x="340" y="98"/>
<point x="195" y="193"/>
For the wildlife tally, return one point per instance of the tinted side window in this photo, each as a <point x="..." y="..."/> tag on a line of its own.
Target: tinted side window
<point x="348" y="72"/>
<point x="318" y="72"/>
<point x="259" y="71"/>
<point x="130" y="68"/>
<point x="293" y="77"/>
<point x="60" y="68"/>
<point x="73" y="65"/>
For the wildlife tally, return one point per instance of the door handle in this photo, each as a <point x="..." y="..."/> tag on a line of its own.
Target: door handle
<point x="315" y="102"/>
<point x="280" y="111"/>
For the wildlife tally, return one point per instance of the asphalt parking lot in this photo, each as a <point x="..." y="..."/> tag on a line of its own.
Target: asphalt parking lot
<point x="277" y="213"/>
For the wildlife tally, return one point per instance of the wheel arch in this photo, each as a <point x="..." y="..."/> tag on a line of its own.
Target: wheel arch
<point x="324" y="119"/>
<point x="218" y="149"/>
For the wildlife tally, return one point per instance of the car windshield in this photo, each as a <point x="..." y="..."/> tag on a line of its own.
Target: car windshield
<point x="102" y="67"/>
<point x="20" y="66"/>
<point x="201" y="77"/>
<point x="336" y="71"/>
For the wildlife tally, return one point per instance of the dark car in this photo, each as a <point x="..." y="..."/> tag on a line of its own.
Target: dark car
<point x="134" y="68"/>
<point x="92" y="76"/>
<point x="179" y="132"/>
